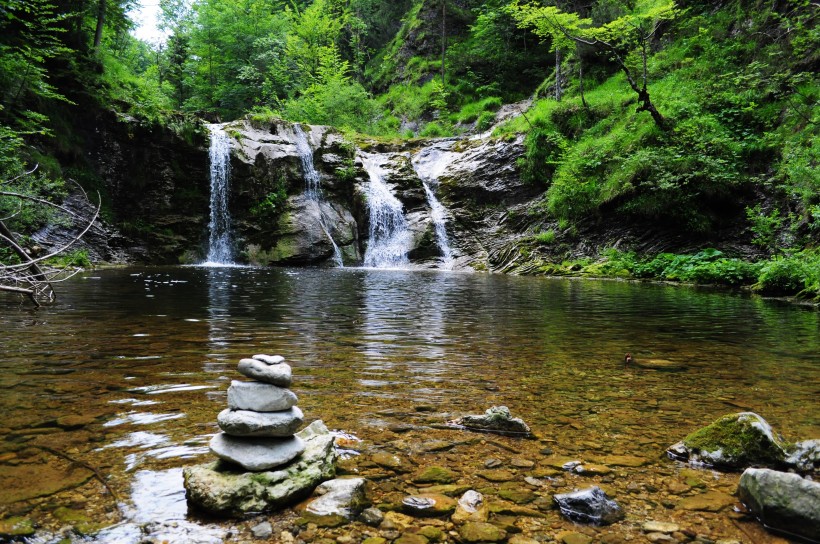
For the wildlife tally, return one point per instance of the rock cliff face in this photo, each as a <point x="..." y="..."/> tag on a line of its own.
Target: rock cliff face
<point x="476" y="181"/>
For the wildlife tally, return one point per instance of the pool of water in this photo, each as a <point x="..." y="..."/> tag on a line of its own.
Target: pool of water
<point x="122" y="378"/>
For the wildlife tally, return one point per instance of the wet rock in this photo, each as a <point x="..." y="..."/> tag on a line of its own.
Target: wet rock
<point x="663" y="365"/>
<point x="782" y="501"/>
<point x="471" y="507"/>
<point x="263" y="531"/>
<point x="277" y="374"/>
<point x="263" y="424"/>
<point x="518" y="539"/>
<point x="631" y="461"/>
<point x="428" y="505"/>
<point x="451" y="490"/>
<point x="434" y="534"/>
<point x="31" y="480"/>
<point x="374" y="540"/>
<point x="574" y="538"/>
<point x="492" y="463"/>
<point x="517" y="462"/>
<point x="500" y="475"/>
<point x="592" y="470"/>
<point x="589" y="505"/>
<point x="434" y="475"/>
<point x="339" y="498"/>
<point x="371" y="516"/>
<point x="659" y="527"/>
<point x="514" y="492"/>
<point x="259" y="397"/>
<point x="734" y="441"/>
<point x="478" y="531"/>
<point x="258" y="453"/>
<point x="711" y="501"/>
<point x="411" y="538"/>
<point x="387" y="460"/>
<point x="497" y="419"/>
<point x="16" y="527"/>
<point x="74" y="421"/>
<point x="222" y="489"/>
<point x="804" y="456"/>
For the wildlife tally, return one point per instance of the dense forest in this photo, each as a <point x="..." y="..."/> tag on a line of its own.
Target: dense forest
<point x="700" y="116"/>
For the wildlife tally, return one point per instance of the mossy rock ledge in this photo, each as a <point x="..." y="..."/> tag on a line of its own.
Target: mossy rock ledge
<point x="734" y="442"/>
<point x="226" y="490"/>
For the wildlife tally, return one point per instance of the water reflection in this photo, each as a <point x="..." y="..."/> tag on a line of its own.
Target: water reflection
<point x="371" y="347"/>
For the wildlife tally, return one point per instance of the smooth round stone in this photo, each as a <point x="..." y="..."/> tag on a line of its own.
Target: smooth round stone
<point x="254" y="369"/>
<point x="256" y="454"/>
<point x="264" y="424"/>
<point x="259" y="397"/>
<point x="269" y="359"/>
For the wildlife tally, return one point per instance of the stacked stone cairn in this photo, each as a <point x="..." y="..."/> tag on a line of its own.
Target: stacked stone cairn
<point x="259" y="424"/>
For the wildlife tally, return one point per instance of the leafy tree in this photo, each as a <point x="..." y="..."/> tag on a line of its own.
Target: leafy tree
<point x="625" y="40"/>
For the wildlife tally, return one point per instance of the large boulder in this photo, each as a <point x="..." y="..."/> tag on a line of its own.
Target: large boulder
<point x="497" y="419"/>
<point x="805" y="456"/>
<point x="734" y="441"/>
<point x="226" y="490"/>
<point x="590" y="505"/>
<point x="782" y="501"/>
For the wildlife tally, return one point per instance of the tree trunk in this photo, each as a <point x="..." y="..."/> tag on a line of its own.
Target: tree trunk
<point x="581" y="83"/>
<point x="100" y="23"/>
<point x="558" y="90"/>
<point x="443" y="37"/>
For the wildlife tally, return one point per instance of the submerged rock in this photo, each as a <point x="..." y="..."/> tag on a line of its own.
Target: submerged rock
<point x="734" y="441"/>
<point x="226" y="490"/>
<point x="257" y="453"/>
<point x="589" y="505"/>
<point x="782" y="501"/>
<point x="497" y="419"/>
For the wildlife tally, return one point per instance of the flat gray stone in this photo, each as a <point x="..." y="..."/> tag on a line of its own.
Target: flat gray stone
<point x="261" y="424"/>
<point x="225" y="490"/>
<point x="279" y="374"/>
<point x="269" y="359"/>
<point x="256" y="454"/>
<point x="259" y="397"/>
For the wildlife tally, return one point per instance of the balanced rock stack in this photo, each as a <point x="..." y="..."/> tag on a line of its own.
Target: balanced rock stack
<point x="259" y="424"/>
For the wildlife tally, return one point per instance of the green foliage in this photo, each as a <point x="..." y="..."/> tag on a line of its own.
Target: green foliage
<point x="269" y="208"/>
<point x="765" y="226"/>
<point x="73" y="259"/>
<point x="794" y="274"/>
<point x="547" y="237"/>
<point x="544" y="150"/>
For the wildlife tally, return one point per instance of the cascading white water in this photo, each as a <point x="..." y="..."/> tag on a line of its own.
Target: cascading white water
<point x="390" y="237"/>
<point x="429" y="165"/>
<point x="439" y="215"/>
<point x="313" y="189"/>
<point x="219" y="241"/>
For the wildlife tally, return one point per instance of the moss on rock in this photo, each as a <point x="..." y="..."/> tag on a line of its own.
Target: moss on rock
<point x="734" y="441"/>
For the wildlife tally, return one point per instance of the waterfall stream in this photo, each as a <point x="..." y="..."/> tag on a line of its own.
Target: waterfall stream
<point x="219" y="241"/>
<point x="313" y="190"/>
<point x="429" y="164"/>
<point x="390" y="237"/>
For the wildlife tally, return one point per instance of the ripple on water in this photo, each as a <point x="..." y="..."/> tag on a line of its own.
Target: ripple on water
<point x="141" y="418"/>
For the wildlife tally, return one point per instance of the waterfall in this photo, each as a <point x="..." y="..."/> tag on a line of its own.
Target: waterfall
<point x="313" y="190"/>
<point x="390" y="236"/>
<point x="219" y="241"/>
<point x="429" y="164"/>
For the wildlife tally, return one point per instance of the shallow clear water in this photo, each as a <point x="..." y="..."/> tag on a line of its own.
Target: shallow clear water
<point x="145" y="356"/>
